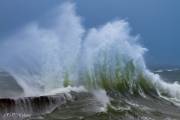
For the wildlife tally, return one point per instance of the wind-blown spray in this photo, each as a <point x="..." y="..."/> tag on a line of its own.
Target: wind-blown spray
<point x="64" y="53"/>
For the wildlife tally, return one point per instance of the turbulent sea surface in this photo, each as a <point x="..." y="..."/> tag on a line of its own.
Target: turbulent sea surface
<point x="60" y="70"/>
<point x="84" y="106"/>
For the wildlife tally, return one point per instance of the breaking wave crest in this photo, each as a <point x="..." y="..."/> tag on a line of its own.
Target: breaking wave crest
<point x="43" y="59"/>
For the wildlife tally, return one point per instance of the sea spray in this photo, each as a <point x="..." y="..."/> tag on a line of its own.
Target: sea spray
<point x="44" y="59"/>
<point x="102" y="97"/>
<point x="38" y="57"/>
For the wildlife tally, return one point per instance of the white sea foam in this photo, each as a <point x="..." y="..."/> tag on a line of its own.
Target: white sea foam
<point x="102" y="97"/>
<point x="38" y="57"/>
<point x="67" y="90"/>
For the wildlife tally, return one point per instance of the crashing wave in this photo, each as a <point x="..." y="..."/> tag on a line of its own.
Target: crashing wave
<point x="45" y="58"/>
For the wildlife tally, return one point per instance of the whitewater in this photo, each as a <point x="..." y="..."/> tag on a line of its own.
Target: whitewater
<point x="64" y="56"/>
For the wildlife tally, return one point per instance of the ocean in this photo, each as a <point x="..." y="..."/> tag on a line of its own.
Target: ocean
<point x="64" y="71"/>
<point x="84" y="106"/>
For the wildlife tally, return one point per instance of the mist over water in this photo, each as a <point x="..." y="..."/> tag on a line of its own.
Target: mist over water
<point x="37" y="56"/>
<point x="44" y="58"/>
